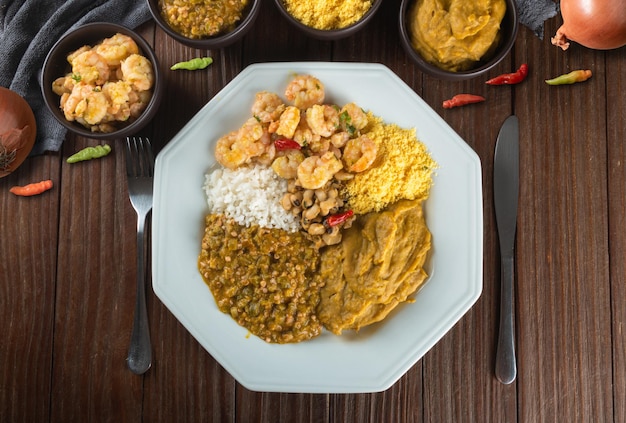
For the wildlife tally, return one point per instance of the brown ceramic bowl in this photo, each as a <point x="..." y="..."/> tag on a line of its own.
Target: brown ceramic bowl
<point x="245" y="24"/>
<point x="330" y="34"/>
<point x="16" y="114"/>
<point x="56" y="65"/>
<point x="508" y="30"/>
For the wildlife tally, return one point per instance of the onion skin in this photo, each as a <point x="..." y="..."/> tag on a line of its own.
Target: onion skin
<point x="595" y="24"/>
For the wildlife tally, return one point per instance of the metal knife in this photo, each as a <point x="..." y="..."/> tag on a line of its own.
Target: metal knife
<point x="506" y="192"/>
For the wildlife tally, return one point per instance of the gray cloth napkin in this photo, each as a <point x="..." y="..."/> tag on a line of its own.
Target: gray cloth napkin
<point x="29" y="29"/>
<point x="533" y="13"/>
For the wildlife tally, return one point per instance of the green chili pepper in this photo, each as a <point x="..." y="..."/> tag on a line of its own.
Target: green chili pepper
<point x="570" y="78"/>
<point x="193" y="64"/>
<point x="89" y="153"/>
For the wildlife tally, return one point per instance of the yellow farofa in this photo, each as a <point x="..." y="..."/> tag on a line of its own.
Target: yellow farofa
<point x="402" y="171"/>
<point x="328" y="14"/>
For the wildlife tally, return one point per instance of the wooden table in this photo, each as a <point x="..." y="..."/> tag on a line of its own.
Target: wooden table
<point x="67" y="259"/>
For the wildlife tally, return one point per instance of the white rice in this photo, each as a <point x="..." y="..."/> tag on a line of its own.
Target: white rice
<point x="249" y="195"/>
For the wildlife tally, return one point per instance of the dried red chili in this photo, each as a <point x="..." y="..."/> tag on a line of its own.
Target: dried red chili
<point x="286" y="144"/>
<point x="510" y="78"/>
<point x="338" y="218"/>
<point x="462" y="100"/>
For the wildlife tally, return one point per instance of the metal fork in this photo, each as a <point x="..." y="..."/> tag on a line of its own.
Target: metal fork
<point x="140" y="171"/>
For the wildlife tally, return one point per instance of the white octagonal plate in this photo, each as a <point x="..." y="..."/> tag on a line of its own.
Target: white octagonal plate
<point x="374" y="358"/>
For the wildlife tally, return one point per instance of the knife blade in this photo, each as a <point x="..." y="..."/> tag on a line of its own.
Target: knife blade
<point x="506" y="193"/>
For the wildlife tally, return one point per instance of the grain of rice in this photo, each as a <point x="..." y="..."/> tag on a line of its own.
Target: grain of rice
<point x="249" y="195"/>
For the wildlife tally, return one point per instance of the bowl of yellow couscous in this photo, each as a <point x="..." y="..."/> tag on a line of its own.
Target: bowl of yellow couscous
<point x="205" y="25"/>
<point x="329" y="19"/>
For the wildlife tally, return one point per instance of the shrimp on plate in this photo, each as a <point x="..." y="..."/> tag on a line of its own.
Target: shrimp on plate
<point x="250" y="137"/>
<point x="303" y="134"/>
<point x="353" y="118"/>
<point x="315" y="171"/>
<point x="286" y="165"/>
<point x="268" y="155"/>
<point x="339" y="139"/>
<point x="323" y="119"/>
<point x="359" y="154"/>
<point x="319" y="145"/>
<point x="228" y="153"/>
<point x="137" y="70"/>
<point x="241" y="146"/>
<point x="305" y="91"/>
<point x="288" y="122"/>
<point x="267" y="107"/>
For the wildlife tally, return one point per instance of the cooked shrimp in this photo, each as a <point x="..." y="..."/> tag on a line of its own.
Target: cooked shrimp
<point x="90" y="68"/>
<point x="315" y="171"/>
<point x="359" y="154"/>
<point x="267" y="107"/>
<point x="305" y="91"/>
<point x="138" y="102"/>
<point x="286" y="166"/>
<point x="288" y="122"/>
<point x="64" y="98"/>
<point x="85" y="104"/>
<point x="269" y="154"/>
<point x="339" y="139"/>
<point x="228" y="153"/>
<point x="103" y="127"/>
<point x="319" y="145"/>
<point x="60" y="85"/>
<point x="303" y="134"/>
<point x="137" y="70"/>
<point x="250" y="132"/>
<point x="116" y="48"/>
<point x="73" y="55"/>
<point x="261" y="149"/>
<point x="251" y="139"/>
<point x="118" y="95"/>
<point x="353" y="118"/>
<point x="323" y="119"/>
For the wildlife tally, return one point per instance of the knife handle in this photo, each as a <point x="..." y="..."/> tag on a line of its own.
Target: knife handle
<point x="506" y="369"/>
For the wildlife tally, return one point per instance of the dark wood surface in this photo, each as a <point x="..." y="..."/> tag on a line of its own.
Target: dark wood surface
<point x="67" y="259"/>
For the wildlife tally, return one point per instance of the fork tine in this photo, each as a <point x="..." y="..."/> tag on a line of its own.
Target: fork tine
<point x="130" y="162"/>
<point x="140" y="157"/>
<point x="148" y="156"/>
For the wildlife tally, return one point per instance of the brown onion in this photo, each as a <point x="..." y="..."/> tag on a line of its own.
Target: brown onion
<point x="17" y="130"/>
<point x="596" y="24"/>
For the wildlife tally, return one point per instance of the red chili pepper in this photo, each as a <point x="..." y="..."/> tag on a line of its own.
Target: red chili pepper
<point x="510" y="78"/>
<point x="286" y="144"/>
<point x="462" y="100"/>
<point x="32" y="189"/>
<point x="338" y="218"/>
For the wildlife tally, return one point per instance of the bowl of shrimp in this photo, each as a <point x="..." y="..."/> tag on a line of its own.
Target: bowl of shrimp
<point x="102" y="81"/>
